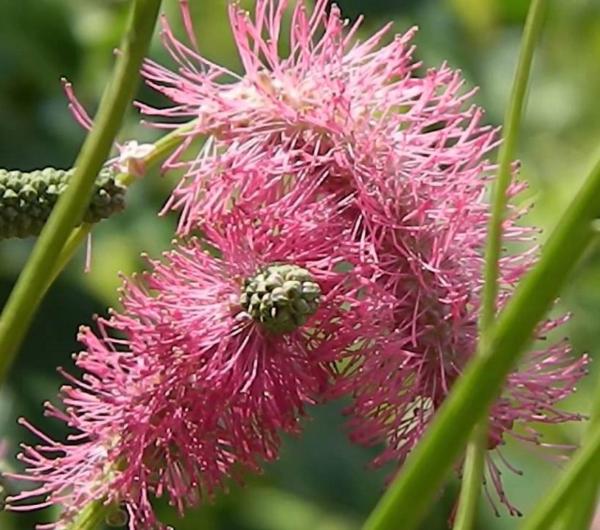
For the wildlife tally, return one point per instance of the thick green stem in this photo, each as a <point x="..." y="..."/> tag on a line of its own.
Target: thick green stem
<point x="584" y="502"/>
<point x="475" y="457"/>
<point x="21" y="305"/>
<point x="584" y="465"/>
<point x="581" y="506"/>
<point x="407" y="499"/>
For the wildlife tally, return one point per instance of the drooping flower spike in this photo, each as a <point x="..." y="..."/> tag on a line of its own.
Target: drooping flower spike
<point x="341" y="198"/>
<point x="217" y="351"/>
<point x="409" y="153"/>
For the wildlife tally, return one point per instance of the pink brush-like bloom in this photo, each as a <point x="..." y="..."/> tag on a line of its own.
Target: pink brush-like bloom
<point x="425" y="215"/>
<point x="305" y="111"/>
<point x="407" y="153"/>
<point x="338" y="172"/>
<point x="190" y="384"/>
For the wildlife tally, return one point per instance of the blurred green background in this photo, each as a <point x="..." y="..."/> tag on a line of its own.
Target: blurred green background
<point x="321" y="481"/>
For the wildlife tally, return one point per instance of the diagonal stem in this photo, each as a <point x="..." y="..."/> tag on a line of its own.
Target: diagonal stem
<point x="473" y="470"/>
<point x="582" y="504"/>
<point x="407" y="499"/>
<point x="162" y="148"/>
<point x="20" y="307"/>
<point x="585" y="464"/>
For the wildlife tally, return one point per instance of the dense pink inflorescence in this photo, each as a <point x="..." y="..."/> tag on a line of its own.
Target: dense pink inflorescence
<point x="344" y="158"/>
<point x="409" y="153"/>
<point x="182" y="390"/>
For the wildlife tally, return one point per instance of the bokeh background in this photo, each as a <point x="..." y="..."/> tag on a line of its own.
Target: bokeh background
<point x="321" y="482"/>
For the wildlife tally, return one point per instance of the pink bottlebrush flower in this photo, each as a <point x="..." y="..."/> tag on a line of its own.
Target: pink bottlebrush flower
<point x="425" y="215"/>
<point x="304" y="111"/>
<point x="218" y="350"/>
<point x="138" y="432"/>
<point x="407" y="154"/>
<point x="427" y="223"/>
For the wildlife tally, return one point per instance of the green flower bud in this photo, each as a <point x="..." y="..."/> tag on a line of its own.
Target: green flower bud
<point x="281" y="297"/>
<point x="26" y="199"/>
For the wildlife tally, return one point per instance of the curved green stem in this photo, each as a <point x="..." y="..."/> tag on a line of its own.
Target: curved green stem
<point x="20" y="307"/>
<point x="407" y="499"/>
<point x="167" y="144"/>
<point x="475" y="456"/>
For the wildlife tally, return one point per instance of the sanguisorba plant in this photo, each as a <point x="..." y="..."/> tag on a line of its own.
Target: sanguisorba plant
<point x="330" y="244"/>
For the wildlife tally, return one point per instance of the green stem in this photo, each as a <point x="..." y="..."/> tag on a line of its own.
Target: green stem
<point x="167" y="144"/>
<point x="409" y="496"/>
<point x="21" y="305"/>
<point x="475" y="457"/>
<point x="162" y="148"/>
<point x="506" y="155"/>
<point x="76" y="237"/>
<point x="472" y="478"/>
<point x="581" y="507"/>
<point x="584" y="465"/>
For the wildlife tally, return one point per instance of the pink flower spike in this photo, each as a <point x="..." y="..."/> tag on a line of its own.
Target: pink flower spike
<point x="210" y="361"/>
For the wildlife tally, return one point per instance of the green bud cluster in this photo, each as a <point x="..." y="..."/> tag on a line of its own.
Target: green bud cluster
<point x="26" y="199"/>
<point x="281" y="297"/>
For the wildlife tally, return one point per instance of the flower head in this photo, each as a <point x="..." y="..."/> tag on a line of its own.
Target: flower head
<point x="194" y="381"/>
<point x="341" y="199"/>
<point x="406" y="152"/>
<point x="300" y="115"/>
